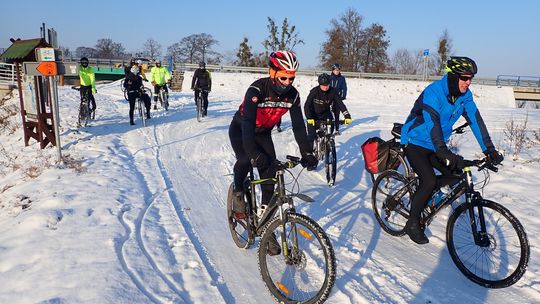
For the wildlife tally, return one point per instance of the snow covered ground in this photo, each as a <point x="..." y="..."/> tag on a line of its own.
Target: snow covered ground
<point x="137" y="214"/>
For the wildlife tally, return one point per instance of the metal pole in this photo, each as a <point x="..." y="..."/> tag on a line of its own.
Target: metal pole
<point x="56" y="116"/>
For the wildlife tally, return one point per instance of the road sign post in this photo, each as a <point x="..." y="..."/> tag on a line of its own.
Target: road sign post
<point x="424" y="73"/>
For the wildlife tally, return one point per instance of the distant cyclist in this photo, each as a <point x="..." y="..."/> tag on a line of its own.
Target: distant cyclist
<point x="88" y="83"/>
<point x="428" y="128"/>
<point x="338" y="82"/>
<point x="323" y="103"/>
<point x="133" y="84"/>
<point x="201" y="83"/>
<point x="159" y="78"/>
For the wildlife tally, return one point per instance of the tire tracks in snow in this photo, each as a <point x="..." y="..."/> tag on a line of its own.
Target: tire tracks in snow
<point x="188" y="228"/>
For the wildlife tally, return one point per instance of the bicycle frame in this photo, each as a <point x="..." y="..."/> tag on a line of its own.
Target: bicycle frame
<point x="276" y="202"/>
<point x="464" y="186"/>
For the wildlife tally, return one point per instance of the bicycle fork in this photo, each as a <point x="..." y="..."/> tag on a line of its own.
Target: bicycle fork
<point x="475" y="203"/>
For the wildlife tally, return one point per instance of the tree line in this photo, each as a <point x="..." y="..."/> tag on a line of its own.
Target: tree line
<point x="356" y="46"/>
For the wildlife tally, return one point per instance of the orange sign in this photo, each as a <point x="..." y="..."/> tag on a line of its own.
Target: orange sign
<point x="47" y="68"/>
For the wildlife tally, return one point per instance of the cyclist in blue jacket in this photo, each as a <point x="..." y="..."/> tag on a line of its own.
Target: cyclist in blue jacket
<point x="337" y="81"/>
<point x="428" y="128"/>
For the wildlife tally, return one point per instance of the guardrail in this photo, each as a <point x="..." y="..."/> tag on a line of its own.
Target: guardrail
<point x="7" y="74"/>
<point x="518" y="81"/>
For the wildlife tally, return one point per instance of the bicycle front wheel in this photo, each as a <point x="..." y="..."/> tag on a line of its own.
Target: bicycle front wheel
<point x="331" y="163"/>
<point x="199" y="109"/>
<point x="84" y="114"/>
<point x="497" y="258"/>
<point x="391" y="199"/>
<point x="140" y="105"/>
<point x="165" y="99"/>
<point x="305" y="271"/>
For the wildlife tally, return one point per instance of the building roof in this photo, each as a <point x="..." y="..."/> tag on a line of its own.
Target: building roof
<point x="21" y="49"/>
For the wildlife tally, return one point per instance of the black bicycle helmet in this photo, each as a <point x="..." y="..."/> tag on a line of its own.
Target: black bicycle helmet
<point x="84" y="60"/>
<point x="202" y="64"/>
<point x="324" y="79"/>
<point x="461" y="65"/>
<point x="336" y="66"/>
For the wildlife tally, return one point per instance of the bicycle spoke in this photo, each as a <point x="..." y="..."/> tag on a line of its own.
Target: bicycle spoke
<point x="305" y="273"/>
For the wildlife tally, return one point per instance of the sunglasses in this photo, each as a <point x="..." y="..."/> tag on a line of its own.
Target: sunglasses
<point x="465" y="78"/>
<point x="285" y="78"/>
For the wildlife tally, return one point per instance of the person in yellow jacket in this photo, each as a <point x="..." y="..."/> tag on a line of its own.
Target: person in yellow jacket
<point x="88" y="83"/>
<point x="159" y="78"/>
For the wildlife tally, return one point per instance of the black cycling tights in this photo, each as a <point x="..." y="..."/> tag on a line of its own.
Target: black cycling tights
<point x="423" y="161"/>
<point x="243" y="162"/>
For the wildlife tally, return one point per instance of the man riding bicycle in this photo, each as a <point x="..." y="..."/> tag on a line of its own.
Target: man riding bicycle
<point x="321" y="102"/>
<point x="159" y="78"/>
<point x="201" y="83"/>
<point x="265" y="102"/>
<point x="133" y="84"/>
<point x="428" y="128"/>
<point x="88" y="83"/>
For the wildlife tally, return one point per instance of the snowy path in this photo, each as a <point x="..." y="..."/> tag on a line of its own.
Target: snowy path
<point x="151" y="225"/>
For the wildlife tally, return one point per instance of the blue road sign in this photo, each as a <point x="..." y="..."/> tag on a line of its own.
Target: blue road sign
<point x="426" y="52"/>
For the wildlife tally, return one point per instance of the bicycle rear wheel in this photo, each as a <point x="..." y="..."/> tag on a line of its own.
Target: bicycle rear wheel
<point x="500" y="257"/>
<point x="306" y="271"/>
<point x="240" y="231"/>
<point x="331" y="162"/>
<point x="391" y="199"/>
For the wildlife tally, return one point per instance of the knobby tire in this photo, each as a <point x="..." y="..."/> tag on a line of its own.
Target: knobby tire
<point x="309" y="275"/>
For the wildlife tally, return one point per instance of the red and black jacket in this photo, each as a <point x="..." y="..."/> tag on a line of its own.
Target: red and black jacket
<point x="261" y="110"/>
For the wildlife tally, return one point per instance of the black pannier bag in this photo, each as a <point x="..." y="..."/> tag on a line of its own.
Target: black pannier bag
<point x="377" y="156"/>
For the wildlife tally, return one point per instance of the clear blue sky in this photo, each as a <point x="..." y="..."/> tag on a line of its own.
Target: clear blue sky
<point x="502" y="36"/>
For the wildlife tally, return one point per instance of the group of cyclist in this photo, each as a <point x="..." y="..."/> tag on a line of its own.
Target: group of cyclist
<point x="425" y="133"/>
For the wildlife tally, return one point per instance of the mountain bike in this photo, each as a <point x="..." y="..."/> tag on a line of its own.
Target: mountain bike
<point x="84" y="107"/>
<point x="139" y="103"/>
<point x="163" y="97"/>
<point x="486" y="242"/>
<point x="325" y="148"/>
<point x="199" y="104"/>
<point x="305" y="270"/>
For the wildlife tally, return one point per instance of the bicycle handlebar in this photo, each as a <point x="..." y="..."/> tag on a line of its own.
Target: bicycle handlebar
<point x="292" y="162"/>
<point x="76" y="88"/>
<point x="328" y="122"/>
<point x="481" y="164"/>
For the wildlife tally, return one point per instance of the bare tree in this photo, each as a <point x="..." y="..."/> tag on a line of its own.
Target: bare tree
<point x="403" y="62"/>
<point x="83" y="51"/>
<point x="194" y="48"/>
<point x="444" y="49"/>
<point x="152" y="49"/>
<point x="205" y="43"/>
<point x="106" y="48"/>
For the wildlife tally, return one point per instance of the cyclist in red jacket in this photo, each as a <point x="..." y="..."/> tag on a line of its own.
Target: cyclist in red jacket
<point x="265" y="102"/>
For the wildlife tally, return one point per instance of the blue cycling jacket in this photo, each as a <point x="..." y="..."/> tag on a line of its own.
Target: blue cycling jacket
<point x="338" y="82"/>
<point x="432" y="118"/>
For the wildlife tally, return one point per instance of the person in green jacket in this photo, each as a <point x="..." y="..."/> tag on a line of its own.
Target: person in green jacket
<point x="159" y="78"/>
<point x="88" y="83"/>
